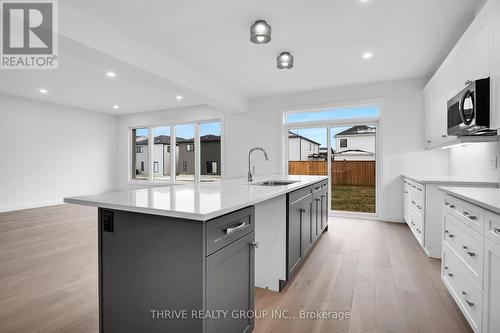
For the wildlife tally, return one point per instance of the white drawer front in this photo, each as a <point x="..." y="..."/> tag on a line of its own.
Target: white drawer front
<point x="466" y="293"/>
<point x="467" y="244"/>
<point x="492" y="226"/>
<point x="471" y="215"/>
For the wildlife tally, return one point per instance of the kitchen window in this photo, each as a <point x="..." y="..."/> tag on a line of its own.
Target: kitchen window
<point x="183" y="152"/>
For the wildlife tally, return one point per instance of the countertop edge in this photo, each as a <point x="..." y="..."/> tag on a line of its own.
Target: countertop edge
<point x="482" y="204"/>
<point x="458" y="182"/>
<point x="187" y="215"/>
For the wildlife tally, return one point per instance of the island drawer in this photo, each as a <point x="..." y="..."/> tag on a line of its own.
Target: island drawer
<point x="226" y="229"/>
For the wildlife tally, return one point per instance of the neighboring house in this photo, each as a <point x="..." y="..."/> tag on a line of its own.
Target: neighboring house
<point x="356" y="144"/>
<point x="161" y="155"/>
<point x="210" y="155"/>
<point x="301" y="148"/>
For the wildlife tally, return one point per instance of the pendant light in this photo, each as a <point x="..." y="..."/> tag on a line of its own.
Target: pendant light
<point x="285" y="60"/>
<point x="260" y="32"/>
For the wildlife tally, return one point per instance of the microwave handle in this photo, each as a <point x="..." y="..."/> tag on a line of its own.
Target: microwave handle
<point x="461" y="108"/>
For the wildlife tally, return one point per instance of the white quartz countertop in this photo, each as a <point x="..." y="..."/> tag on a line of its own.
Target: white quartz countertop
<point x="196" y="201"/>
<point x="488" y="198"/>
<point x="427" y="179"/>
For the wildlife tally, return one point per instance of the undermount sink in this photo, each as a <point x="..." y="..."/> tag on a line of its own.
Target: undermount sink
<point x="275" y="182"/>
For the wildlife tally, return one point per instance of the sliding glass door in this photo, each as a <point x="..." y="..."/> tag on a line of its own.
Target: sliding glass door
<point x="353" y="164"/>
<point x="317" y="143"/>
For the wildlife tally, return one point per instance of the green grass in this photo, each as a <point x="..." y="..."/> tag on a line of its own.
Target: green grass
<point x="353" y="198"/>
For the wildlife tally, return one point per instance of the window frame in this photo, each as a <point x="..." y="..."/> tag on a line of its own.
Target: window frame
<point x="173" y="152"/>
<point x="340" y="143"/>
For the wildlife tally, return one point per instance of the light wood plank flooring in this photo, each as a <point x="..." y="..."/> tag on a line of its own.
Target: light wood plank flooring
<point x="374" y="270"/>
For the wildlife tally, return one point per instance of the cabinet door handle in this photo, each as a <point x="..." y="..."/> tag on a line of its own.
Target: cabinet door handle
<point x="235" y="227"/>
<point x="447" y="204"/>
<point x="317" y="199"/>
<point x="254" y="244"/>
<point x="447" y="271"/>
<point x="466" y="249"/>
<point x="302" y="210"/>
<point x="449" y="234"/>
<point x="496" y="230"/>
<point x="452" y="206"/>
<point x="469" y="303"/>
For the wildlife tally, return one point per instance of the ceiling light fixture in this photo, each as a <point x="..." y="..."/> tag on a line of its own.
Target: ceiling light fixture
<point x="110" y="74"/>
<point x="260" y="32"/>
<point x="285" y="60"/>
<point x="364" y="1"/>
<point x="43" y="91"/>
<point x="116" y="107"/>
<point x="179" y="97"/>
<point x="367" y="55"/>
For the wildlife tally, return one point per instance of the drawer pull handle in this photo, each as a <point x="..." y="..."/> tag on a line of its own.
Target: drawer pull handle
<point x="317" y="199"/>
<point x="496" y="230"/>
<point x="235" y="227"/>
<point x="254" y="244"/>
<point x="447" y="272"/>
<point x="472" y="217"/>
<point x="469" y="303"/>
<point x="452" y="206"/>
<point x="446" y="203"/>
<point x="466" y="249"/>
<point x="449" y="234"/>
<point x="323" y="195"/>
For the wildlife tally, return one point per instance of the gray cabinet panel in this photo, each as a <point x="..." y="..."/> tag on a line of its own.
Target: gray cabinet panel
<point x="148" y="263"/>
<point x="230" y="286"/>
<point x="294" y="236"/>
<point x="306" y="227"/>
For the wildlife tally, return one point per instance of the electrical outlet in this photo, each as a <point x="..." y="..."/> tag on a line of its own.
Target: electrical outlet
<point x="493" y="163"/>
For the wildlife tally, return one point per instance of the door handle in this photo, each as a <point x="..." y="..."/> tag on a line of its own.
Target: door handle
<point x="466" y="249"/>
<point x="469" y="303"/>
<point x="254" y="244"/>
<point x="447" y="271"/>
<point x="449" y="234"/>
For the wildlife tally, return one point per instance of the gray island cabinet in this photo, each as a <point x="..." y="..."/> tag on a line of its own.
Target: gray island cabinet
<point x="184" y="258"/>
<point x="164" y="274"/>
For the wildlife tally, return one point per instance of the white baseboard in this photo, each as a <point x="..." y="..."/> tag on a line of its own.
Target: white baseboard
<point x="10" y="208"/>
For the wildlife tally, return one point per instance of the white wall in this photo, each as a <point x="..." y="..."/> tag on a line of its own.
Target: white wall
<point x="48" y="152"/>
<point x="473" y="161"/>
<point x="401" y="132"/>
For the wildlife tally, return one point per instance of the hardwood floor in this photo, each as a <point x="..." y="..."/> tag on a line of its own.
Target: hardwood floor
<point x="376" y="271"/>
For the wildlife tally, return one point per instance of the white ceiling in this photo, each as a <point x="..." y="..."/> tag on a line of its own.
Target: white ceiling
<point x="201" y="49"/>
<point x="327" y="38"/>
<point x="81" y="82"/>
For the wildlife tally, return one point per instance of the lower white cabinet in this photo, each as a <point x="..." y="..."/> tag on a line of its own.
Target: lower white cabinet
<point x="471" y="262"/>
<point x="491" y="299"/>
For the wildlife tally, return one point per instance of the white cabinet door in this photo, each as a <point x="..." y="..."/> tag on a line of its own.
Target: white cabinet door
<point x="495" y="70"/>
<point x="430" y="118"/>
<point x="491" y="298"/>
<point x="480" y="48"/>
<point x="406" y="203"/>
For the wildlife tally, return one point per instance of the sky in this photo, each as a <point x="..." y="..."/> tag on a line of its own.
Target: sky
<point x="320" y="134"/>
<point x="184" y="131"/>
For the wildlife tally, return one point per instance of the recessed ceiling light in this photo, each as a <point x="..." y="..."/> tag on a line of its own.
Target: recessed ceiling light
<point x="367" y="55"/>
<point x="110" y="74"/>
<point x="179" y="97"/>
<point x="260" y="32"/>
<point x="43" y="91"/>
<point x="285" y="60"/>
<point x="116" y="107"/>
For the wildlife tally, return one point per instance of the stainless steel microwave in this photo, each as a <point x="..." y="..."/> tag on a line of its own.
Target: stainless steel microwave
<point x="469" y="110"/>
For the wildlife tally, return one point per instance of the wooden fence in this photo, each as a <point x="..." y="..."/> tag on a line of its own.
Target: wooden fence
<point x="343" y="172"/>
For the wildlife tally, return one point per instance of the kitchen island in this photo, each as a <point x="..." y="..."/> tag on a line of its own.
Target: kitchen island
<point x="186" y="258"/>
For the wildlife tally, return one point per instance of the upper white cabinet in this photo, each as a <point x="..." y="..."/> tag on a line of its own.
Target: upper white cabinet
<point x="475" y="56"/>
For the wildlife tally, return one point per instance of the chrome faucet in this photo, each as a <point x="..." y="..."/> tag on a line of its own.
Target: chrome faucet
<point x="250" y="175"/>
